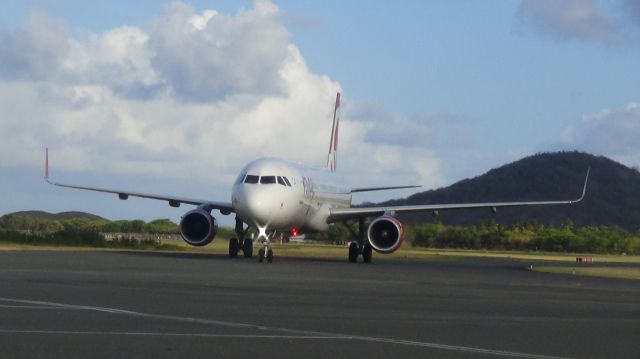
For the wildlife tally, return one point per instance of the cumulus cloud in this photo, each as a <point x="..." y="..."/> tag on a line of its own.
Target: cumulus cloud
<point x="193" y="96"/>
<point x="132" y="99"/>
<point x="610" y="132"/>
<point x="568" y="20"/>
<point x="210" y="55"/>
<point x="35" y="50"/>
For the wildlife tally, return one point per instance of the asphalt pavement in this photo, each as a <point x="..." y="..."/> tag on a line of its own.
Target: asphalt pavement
<point x="67" y="304"/>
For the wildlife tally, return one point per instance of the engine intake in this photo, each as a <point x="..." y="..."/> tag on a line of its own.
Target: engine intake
<point x="385" y="234"/>
<point x="198" y="227"/>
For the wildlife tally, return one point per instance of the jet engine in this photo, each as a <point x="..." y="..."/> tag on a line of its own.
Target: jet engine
<point x="385" y="234"/>
<point x="198" y="227"/>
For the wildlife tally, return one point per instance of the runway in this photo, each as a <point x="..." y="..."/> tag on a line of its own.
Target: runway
<point x="62" y="304"/>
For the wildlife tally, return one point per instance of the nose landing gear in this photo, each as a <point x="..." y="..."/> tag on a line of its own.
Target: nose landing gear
<point x="268" y="256"/>
<point x="265" y="238"/>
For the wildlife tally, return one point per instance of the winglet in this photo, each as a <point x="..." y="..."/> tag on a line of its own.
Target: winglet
<point x="46" y="164"/>
<point x="584" y="189"/>
<point x="333" y="145"/>
<point x="586" y="180"/>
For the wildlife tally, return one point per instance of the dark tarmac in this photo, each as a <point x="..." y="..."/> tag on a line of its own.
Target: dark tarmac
<point x="158" y="305"/>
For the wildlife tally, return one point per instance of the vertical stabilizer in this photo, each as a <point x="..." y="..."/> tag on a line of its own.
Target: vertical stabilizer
<point x="333" y="146"/>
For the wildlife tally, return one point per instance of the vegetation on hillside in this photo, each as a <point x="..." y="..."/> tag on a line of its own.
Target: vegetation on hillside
<point x="23" y="221"/>
<point x="83" y="229"/>
<point x="41" y="228"/>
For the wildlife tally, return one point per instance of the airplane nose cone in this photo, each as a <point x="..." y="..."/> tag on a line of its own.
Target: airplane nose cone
<point x="259" y="210"/>
<point x="258" y="206"/>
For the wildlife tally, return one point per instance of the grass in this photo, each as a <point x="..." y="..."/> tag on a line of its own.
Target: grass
<point x="220" y="246"/>
<point x="609" y="272"/>
<point x="538" y="256"/>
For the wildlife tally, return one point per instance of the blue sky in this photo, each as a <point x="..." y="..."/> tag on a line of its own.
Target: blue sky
<point x="434" y="91"/>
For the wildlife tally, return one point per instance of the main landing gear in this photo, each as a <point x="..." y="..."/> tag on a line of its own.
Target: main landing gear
<point x="240" y="242"/>
<point x="359" y="246"/>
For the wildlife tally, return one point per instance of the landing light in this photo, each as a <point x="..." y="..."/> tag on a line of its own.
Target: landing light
<point x="262" y="232"/>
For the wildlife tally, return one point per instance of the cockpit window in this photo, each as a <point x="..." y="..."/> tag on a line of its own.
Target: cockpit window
<point x="281" y="181"/>
<point x="251" y="179"/>
<point x="268" y="179"/>
<point x="240" y="178"/>
<point x="286" y="181"/>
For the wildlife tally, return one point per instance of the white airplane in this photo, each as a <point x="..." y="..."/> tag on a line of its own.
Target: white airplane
<point x="272" y="195"/>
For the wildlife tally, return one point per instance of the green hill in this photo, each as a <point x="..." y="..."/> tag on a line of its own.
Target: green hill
<point x="55" y="216"/>
<point x="613" y="193"/>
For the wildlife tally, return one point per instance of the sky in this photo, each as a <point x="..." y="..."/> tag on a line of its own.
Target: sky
<point x="176" y="97"/>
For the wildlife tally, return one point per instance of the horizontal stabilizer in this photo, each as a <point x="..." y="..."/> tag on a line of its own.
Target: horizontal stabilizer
<point x="371" y="189"/>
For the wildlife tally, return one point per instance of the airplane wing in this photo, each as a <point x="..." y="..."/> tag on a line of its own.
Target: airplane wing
<point x="224" y="207"/>
<point x="341" y="214"/>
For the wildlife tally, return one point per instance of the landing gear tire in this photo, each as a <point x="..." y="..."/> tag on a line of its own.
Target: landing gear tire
<point x="353" y="252"/>
<point x="367" y="253"/>
<point x="261" y="255"/>
<point x="269" y="256"/>
<point x="247" y="248"/>
<point x="234" y="247"/>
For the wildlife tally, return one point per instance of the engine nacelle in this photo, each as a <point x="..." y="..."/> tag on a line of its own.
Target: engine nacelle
<point x="198" y="227"/>
<point x="385" y="234"/>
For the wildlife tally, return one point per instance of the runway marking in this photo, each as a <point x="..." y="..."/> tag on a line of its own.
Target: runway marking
<point x="293" y="333"/>
<point x="162" y="334"/>
<point x="31" y="307"/>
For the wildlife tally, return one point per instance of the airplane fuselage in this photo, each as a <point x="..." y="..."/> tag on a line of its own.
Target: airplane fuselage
<point x="282" y="195"/>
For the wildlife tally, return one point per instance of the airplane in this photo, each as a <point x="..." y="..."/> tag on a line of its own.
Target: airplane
<point x="274" y="195"/>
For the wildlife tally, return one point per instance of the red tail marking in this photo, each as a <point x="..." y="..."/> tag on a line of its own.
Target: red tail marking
<point x="335" y="139"/>
<point x="333" y="144"/>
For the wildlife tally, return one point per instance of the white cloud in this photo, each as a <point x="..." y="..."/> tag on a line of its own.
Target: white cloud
<point x="209" y="55"/>
<point x="610" y="132"/>
<point x="567" y="20"/>
<point x="35" y="50"/>
<point x="192" y="97"/>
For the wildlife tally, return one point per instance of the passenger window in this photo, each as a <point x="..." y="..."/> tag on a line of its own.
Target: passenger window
<point x="286" y="181"/>
<point x="281" y="181"/>
<point x="251" y="179"/>
<point x="268" y="179"/>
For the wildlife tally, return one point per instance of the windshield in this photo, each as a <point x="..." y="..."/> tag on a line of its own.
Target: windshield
<point x="268" y="179"/>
